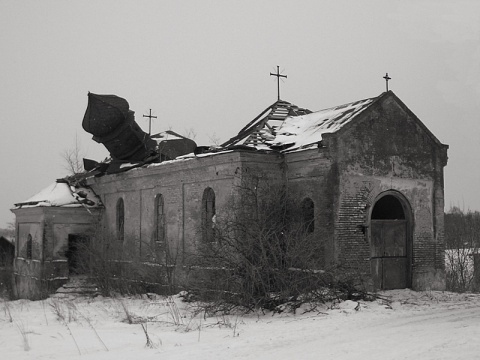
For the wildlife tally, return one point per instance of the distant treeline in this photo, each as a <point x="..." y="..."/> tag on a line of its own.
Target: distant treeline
<point x="462" y="229"/>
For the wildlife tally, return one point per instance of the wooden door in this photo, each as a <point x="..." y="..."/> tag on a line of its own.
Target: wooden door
<point x="389" y="254"/>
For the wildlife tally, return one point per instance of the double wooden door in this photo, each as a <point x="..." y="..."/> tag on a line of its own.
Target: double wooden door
<point x="389" y="254"/>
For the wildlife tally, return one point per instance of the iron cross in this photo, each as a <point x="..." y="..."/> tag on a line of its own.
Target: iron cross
<point x="386" y="77"/>
<point x="150" y="116"/>
<point x="278" y="75"/>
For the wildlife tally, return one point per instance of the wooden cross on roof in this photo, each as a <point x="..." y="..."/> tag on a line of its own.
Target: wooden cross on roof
<point x="278" y="75"/>
<point x="150" y="117"/>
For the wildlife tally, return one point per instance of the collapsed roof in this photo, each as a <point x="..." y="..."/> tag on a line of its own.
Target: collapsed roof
<point x="286" y="127"/>
<point x="264" y="127"/>
<point x="111" y="122"/>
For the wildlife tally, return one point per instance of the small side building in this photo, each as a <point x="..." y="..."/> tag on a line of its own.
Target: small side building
<point x="51" y="227"/>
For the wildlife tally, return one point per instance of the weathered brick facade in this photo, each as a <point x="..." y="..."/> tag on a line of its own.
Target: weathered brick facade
<point x="388" y="149"/>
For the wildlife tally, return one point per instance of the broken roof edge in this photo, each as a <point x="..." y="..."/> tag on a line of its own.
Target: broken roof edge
<point x="63" y="193"/>
<point x="252" y="125"/>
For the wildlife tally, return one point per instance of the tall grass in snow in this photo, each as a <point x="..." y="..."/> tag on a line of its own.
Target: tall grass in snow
<point x="24" y="333"/>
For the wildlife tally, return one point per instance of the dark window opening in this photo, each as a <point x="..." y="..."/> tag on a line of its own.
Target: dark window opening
<point x="159" y="223"/>
<point x="29" y="247"/>
<point x="120" y="220"/>
<point x="308" y="215"/>
<point x="208" y="215"/>
<point x="388" y="208"/>
<point x="77" y="254"/>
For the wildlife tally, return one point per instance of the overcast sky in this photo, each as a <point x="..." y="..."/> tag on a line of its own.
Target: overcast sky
<point x="203" y="68"/>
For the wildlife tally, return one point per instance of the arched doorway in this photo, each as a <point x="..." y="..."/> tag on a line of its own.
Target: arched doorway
<point x="390" y="242"/>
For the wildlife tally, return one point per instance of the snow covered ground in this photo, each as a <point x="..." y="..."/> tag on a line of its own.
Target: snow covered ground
<point x="412" y="325"/>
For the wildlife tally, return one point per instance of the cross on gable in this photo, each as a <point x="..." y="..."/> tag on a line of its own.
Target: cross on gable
<point x="278" y="75"/>
<point x="386" y="77"/>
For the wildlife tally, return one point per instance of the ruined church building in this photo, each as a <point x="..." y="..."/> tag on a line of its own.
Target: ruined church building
<point x="369" y="171"/>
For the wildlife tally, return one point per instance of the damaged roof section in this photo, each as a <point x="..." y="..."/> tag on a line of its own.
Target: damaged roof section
<point x="286" y="127"/>
<point x="300" y="132"/>
<point x="281" y="127"/>
<point x="62" y="194"/>
<point x="264" y="127"/>
<point x="111" y="122"/>
<point x="171" y="145"/>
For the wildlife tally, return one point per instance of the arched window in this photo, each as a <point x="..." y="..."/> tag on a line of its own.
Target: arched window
<point x="29" y="246"/>
<point x="308" y="215"/>
<point x="159" y="223"/>
<point x="208" y="215"/>
<point x="120" y="220"/>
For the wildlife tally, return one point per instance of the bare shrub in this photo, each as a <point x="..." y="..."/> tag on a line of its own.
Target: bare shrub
<point x="120" y="267"/>
<point x="264" y="253"/>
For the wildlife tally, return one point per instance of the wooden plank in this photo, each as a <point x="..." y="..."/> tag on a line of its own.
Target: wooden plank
<point x="394" y="273"/>
<point x="376" y="266"/>
<point x="395" y="237"/>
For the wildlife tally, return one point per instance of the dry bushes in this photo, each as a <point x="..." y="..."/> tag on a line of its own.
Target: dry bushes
<point x="264" y="253"/>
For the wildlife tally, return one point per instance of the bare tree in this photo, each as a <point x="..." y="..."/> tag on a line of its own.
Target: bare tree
<point x="214" y="139"/>
<point x="73" y="158"/>
<point x="190" y="133"/>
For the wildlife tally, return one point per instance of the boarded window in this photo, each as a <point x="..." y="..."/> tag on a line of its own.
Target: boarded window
<point x="120" y="220"/>
<point x="308" y="215"/>
<point x="208" y="215"/>
<point x="160" y="230"/>
<point x="29" y="246"/>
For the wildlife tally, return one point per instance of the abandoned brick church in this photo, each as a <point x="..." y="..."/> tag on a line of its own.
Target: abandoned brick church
<point x="370" y="171"/>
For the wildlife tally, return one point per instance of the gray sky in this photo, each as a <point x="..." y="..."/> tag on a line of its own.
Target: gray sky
<point x="203" y="67"/>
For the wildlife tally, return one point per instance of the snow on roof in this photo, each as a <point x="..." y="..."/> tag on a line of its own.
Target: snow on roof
<point x="304" y="130"/>
<point x="60" y="193"/>
<point x="166" y="135"/>
<point x="287" y="127"/>
<point x="263" y="128"/>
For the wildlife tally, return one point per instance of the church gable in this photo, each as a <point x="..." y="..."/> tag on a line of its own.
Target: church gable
<point x="387" y="138"/>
